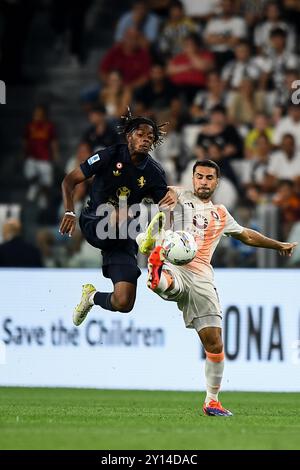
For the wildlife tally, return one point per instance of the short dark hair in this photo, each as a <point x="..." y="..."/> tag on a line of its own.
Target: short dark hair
<point x="194" y="37"/>
<point x="208" y="164"/>
<point x="43" y="107"/>
<point x="98" y="108"/>
<point x="243" y="42"/>
<point x="177" y="4"/>
<point x="285" y="182"/>
<point x="278" y="32"/>
<point x="218" y="109"/>
<point x="287" y="135"/>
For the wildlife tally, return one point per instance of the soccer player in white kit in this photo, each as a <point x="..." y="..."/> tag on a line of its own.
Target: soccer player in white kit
<point x="191" y="285"/>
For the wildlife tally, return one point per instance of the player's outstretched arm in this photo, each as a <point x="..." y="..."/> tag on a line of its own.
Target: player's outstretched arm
<point x="68" y="222"/>
<point x="253" y="238"/>
<point x="169" y="201"/>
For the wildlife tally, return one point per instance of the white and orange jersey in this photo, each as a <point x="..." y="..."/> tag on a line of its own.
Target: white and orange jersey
<point x="207" y="222"/>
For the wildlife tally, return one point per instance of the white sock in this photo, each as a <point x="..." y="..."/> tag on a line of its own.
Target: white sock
<point x="213" y="375"/>
<point x="91" y="298"/>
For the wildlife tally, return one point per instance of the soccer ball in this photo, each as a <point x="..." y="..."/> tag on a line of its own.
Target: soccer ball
<point x="180" y="247"/>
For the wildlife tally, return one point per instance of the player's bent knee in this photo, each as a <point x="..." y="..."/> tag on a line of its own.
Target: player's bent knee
<point x="214" y="348"/>
<point x="126" y="310"/>
<point x="213" y="344"/>
<point x="124" y="304"/>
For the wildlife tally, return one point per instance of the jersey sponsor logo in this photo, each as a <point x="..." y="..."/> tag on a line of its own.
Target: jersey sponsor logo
<point x="95" y="158"/>
<point x="116" y="173"/>
<point x="141" y="182"/>
<point x="123" y="192"/>
<point x="189" y="204"/>
<point x="200" y="222"/>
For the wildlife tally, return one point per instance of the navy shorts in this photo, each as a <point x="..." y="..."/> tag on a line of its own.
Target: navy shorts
<point x="119" y="256"/>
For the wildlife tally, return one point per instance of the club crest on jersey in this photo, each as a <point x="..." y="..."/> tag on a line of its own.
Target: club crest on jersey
<point x="113" y="201"/>
<point x="141" y="182"/>
<point x="95" y="158"/>
<point x="215" y="215"/>
<point x="200" y="222"/>
<point x="116" y="173"/>
<point x="123" y="192"/>
<point x="119" y="165"/>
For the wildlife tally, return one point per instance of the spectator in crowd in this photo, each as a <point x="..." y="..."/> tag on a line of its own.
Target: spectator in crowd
<point x="40" y="151"/>
<point x="158" y="97"/>
<point x="81" y="254"/>
<point x="115" y="96"/>
<point x="131" y="59"/>
<point x="206" y="100"/>
<point x="288" y="201"/>
<point x="237" y="253"/>
<point x="15" y="252"/>
<point x="289" y="124"/>
<point x="284" y="164"/>
<point x="273" y="19"/>
<point x="170" y="154"/>
<point x="256" y="167"/>
<point x="141" y="19"/>
<point x="175" y="30"/>
<point x="277" y="62"/>
<point x="160" y="7"/>
<point x="83" y="151"/>
<point x="283" y="97"/>
<point x="218" y="130"/>
<point x="100" y="134"/>
<point x="188" y="70"/>
<point x="252" y="11"/>
<point x="201" y="11"/>
<point x="224" y="32"/>
<point x="226" y="140"/>
<point x="241" y="67"/>
<point x="245" y="103"/>
<point x="46" y="243"/>
<point x="254" y="195"/>
<point x="261" y="127"/>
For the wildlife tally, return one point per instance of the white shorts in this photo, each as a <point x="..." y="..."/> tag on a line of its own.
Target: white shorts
<point x="195" y="297"/>
<point x="39" y="169"/>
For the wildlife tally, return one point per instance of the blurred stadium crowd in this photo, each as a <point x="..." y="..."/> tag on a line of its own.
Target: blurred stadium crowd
<point x="221" y="72"/>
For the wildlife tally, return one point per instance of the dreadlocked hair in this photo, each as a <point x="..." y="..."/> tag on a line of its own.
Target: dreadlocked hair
<point x="130" y="123"/>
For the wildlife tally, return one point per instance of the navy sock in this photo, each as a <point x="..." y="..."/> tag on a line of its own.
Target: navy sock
<point x="103" y="299"/>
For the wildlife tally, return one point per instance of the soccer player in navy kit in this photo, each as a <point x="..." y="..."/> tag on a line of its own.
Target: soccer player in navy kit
<point x="120" y="171"/>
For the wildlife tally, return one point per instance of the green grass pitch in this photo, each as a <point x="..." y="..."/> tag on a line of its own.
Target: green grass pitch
<point x="35" y="418"/>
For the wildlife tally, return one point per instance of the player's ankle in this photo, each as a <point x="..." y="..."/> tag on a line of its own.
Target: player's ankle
<point x="91" y="298"/>
<point x="209" y="398"/>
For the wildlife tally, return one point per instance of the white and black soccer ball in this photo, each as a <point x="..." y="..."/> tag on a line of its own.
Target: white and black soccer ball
<point x="180" y="247"/>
